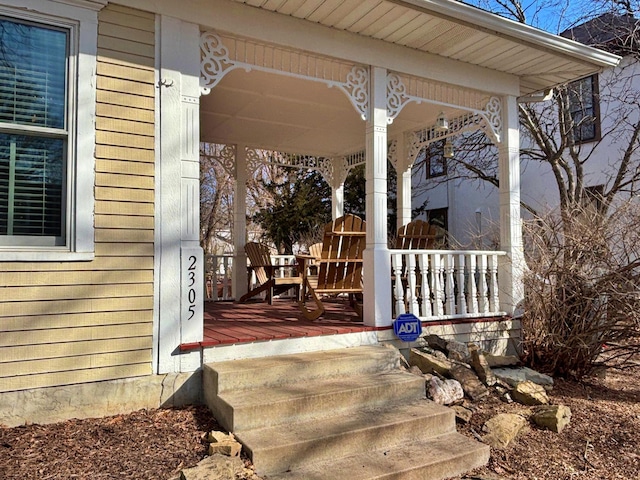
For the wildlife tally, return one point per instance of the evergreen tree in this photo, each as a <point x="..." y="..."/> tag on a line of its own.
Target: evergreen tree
<point x="302" y="205"/>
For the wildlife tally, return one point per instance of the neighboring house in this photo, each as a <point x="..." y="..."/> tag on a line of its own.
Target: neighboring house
<point x="102" y="108"/>
<point x="604" y="105"/>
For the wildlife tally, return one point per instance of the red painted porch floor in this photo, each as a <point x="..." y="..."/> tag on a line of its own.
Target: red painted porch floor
<point x="228" y="323"/>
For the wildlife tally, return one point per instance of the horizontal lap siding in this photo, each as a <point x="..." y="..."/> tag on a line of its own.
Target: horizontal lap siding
<point x="68" y="322"/>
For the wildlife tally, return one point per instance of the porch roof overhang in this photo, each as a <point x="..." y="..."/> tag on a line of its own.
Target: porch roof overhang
<point x="454" y="30"/>
<point x="453" y="42"/>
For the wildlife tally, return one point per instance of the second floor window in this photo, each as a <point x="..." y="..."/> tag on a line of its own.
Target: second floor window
<point x="433" y="158"/>
<point x="584" y="109"/>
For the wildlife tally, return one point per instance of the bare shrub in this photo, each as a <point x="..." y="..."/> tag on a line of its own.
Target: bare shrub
<point x="582" y="305"/>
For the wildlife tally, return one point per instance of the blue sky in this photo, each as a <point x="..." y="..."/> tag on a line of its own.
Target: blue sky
<point x="551" y="15"/>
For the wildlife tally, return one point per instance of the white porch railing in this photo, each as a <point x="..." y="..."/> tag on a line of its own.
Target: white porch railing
<point x="443" y="284"/>
<point x="217" y="277"/>
<point x="218" y="271"/>
<point x="431" y="284"/>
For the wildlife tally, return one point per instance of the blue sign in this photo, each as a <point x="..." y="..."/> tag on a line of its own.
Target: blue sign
<point x="407" y="327"/>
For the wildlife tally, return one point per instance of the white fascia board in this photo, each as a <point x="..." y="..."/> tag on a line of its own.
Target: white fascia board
<point x="242" y="20"/>
<point x="503" y="27"/>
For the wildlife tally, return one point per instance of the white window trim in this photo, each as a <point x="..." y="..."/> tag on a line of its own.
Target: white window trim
<point x="81" y="18"/>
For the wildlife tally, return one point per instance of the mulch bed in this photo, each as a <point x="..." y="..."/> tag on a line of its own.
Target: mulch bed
<point x="153" y="444"/>
<point x="600" y="443"/>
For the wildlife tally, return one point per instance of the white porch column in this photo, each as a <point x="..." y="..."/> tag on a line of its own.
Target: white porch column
<point x="337" y="201"/>
<point x="511" y="267"/>
<point x="337" y="190"/>
<point x="179" y="264"/>
<point x="239" y="280"/>
<point x="377" y="263"/>
<point x="403" y="170"/>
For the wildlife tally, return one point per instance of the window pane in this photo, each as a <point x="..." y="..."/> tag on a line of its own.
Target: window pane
<point x="31" y="185"/>
<point x="32" y="74"/>
<point x="582" y="108"/>
<point x="434" y="154"/>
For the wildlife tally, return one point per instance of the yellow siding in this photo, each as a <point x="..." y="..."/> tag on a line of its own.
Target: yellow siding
<point x="123" y="194"/>
<point x="124" y="167"/>
<point x="84" y="305"/>
<point x="73" y="376"/>
<point x="89" y="277"/>
<point x="72" y="363"/>
<point x="102" y="262"/>
<point x="73" y="322"/>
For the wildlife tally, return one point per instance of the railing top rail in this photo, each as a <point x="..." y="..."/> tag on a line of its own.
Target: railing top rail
<point x="447" y="252"/>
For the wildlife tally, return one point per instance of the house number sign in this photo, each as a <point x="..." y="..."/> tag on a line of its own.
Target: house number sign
<point x="192" y="276"/>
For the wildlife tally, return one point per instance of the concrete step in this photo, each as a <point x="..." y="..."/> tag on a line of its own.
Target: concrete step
<point x="297" y="402"/>
<point x="277" y="449"/>
<point x="350" y="413"/>
<point x="435" y="459"/>
<point x="254" y="373"/>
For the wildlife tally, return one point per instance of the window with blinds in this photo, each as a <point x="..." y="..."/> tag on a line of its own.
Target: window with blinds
<point x="33" y="133"/>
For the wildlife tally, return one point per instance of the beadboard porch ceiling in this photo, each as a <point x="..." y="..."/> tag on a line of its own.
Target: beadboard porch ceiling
<point x="457" y="31"/>
<point x="277" y="112"/>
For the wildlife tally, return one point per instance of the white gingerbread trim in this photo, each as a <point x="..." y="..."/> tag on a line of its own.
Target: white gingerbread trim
<point x="215" y="62"/>
<point x="397" y="97"/>
<point x="218" y="59"/>
<point x="489" y="120"/>
<point x="225" y="155"/>
<point x="421" y="90"/>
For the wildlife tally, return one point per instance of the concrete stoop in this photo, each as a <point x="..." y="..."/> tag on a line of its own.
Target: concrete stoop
<point x="349" y="413"/>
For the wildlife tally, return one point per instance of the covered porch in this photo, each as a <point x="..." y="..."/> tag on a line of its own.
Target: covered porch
<point x="305" y="86"/>
<point x="265" y="106"/>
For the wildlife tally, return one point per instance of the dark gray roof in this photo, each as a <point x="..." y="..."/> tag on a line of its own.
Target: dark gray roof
<point x="612" y="32"/>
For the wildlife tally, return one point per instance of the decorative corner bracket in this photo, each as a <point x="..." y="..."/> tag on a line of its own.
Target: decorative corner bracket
<point x="492" y="113"/>
<point x="215" y="62"/>
<point x="397" y="97"/>
<point x="356" y="87"/>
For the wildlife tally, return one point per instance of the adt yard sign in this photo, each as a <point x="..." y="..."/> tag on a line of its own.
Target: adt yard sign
<point x="407" y="327"/>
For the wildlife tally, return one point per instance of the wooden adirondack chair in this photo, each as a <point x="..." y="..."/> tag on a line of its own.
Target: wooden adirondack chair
<point x="416" y="235"/>
<point x="260" y="258"/>
<point x="339" y="265"/>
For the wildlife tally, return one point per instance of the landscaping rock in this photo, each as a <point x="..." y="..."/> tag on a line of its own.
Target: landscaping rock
<point x="481" y="366"/>
<point x="457" y="351"/>
<point x="529" y="393"/>
<point x="215" y="467"/>
<point x="440" y="355"/>
<point x="416" y="370"/>
<point x="497" y="361"/>
<point x="503" y="429"/>
<point x="505" y="394"/>
<point x="463" y="415"/>
<point x="444" y="392"/>
<point x="470" y="382"/>
<point x="434" y="341"/>
<point x="428" y="363"/>
<point x="552" y="417"/>
<point x="223" y="444"/>
<point x="514" y="376"/>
